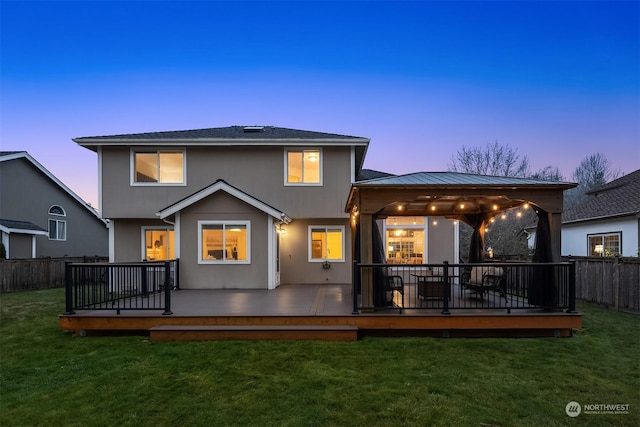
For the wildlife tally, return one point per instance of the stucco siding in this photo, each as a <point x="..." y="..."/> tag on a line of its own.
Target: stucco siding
<point x="258" y="171"/>
<point x="221" y="206"/>
<point x="294" y="255"/>
<point x="575" y="242"/>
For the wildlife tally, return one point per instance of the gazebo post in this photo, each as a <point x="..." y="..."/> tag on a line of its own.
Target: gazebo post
<point x="366" y="257"/>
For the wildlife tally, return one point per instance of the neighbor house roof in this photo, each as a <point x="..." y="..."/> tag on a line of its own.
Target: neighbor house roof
<point x="618" y="198"/>
<point x="367" y="174"/>
<point x="21" y="227"/>
<point x="222" y="185"/>
<point x="6" y="156"/>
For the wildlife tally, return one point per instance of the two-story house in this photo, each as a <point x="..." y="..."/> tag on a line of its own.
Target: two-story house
<point x="41" y="217"/>
<point x="241" y="207"/>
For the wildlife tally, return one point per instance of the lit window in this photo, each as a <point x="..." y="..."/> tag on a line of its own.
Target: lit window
<point x="303" y="167"/>
<point x="158" y="167"/>
<point x="326" y="243"/>
<point x="404" y="240"/>
<point x="158" y="244"/>
<point x="224" y="242"/>
<point x="57" y="229"/>
<point x="605" y="244"/>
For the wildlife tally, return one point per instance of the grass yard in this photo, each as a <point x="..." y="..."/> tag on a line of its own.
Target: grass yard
<point x="51" y="378"/>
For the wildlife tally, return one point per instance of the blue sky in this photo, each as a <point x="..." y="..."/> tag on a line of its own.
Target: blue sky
<point x="556" y="80"/>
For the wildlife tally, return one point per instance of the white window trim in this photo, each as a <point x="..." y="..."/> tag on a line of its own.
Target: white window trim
<point x="64" y="212"/>
<point x="58" y="221"/>
<point x="143" y="237"/>
<point x="309" y="249"/>
<point x="602" y="236"/>
<point x="132" y="167"/>
<point x="286" y="167"/>
<point x="224" y="223"/>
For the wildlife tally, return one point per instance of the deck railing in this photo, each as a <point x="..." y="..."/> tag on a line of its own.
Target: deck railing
<point x="121" y="286"/>
<point x="479" y="286"/>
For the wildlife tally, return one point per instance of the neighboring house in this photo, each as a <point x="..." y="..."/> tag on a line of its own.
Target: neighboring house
<point x="42" y="217"/>
<point x="607" y="223"/>
<point x="241" y="206"/>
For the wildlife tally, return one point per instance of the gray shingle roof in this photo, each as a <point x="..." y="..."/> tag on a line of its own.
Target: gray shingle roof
<point x="222" y="133"/>
<point x="620" y="197"/>
<point x="20" y="225"/>
<point x="458" y="179"/>
<point x="367" y="174"/>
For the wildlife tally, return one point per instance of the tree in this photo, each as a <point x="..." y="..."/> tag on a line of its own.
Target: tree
<point x="548" y="173"/>
<point x="594" y="171"/>
<point x="505" y="235"/>
<point x="494" y="159"/>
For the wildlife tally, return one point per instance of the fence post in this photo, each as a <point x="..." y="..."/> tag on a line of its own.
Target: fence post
<point x="572" y="287"/>
<point x="354" y="287"/>
<point x="616" y="281"/>
<point x="167" y="289"/>
<point x="447" y="290"/>
<point x="68" y="289"/>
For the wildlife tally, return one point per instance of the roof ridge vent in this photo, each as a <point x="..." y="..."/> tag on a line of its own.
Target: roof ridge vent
<point x="250" y="129"/>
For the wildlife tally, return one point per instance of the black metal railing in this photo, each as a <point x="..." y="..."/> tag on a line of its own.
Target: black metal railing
<point x="446" y="287"/>
<point x="121" y="286"/>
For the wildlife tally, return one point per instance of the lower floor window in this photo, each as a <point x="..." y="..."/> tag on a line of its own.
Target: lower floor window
<point x="158" y="244"/>
<point x="224" y="241"/>
<point x="605" y="244"/>
<point x="57" y="229"/>
<point x="405" y="245"/>
<point x="327" y="243"/>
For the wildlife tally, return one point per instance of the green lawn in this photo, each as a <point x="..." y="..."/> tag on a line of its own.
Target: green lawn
<point x="51" y="378"/>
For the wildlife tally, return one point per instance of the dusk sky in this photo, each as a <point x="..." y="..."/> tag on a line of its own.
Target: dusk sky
<point x="556" y="80"/>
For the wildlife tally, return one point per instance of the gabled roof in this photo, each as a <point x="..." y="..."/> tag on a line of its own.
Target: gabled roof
<point x="222" y="185"/>
<point x="5" y="156"/>
<point x="456" y="179"/>
<point x="21" y="227"/>
<point x="618" y="198"/>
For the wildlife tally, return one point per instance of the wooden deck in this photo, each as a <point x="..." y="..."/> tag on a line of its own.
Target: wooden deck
<point x="321" y="312"/>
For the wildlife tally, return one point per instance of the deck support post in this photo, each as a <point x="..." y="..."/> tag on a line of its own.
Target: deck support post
<point x="572" y="287"/>
<point x="167" y="289"/>
<point x="68" y="289"/>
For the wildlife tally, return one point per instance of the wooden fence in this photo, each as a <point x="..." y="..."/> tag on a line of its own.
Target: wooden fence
<point x="38" y="273"/>
<point x="614" y="281"/>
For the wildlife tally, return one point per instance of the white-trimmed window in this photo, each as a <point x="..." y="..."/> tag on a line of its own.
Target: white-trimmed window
<point x="57" y="227"/>
<point x="405" y="240"/>
<point x="158" y="167"/>
<point x="224" y="242"/>
<point x="605" y="244"/>
<point x="326" y="243"/>
<point x="57" y="210"/>
<point x="158" y="243"/>
<point x="303" y="167"/>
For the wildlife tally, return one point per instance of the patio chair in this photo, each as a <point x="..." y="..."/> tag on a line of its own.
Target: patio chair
<point x="481" y="280"/>
<point x="394" y="283"/>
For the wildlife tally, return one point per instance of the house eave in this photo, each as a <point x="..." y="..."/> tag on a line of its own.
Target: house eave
<point x="227" y="142"/>
<point x="23" y="231"/>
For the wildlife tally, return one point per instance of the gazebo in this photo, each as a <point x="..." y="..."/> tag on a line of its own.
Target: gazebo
<point x="472" y="199"/>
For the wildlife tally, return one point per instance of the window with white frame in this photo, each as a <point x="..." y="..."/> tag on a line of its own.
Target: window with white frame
<point x="303" y="167"/>
<point x="222" y="242"/>
<point x="326" y="243"/>
<point x="153" y="167"/>
<point x="404" y="240"/>
<point x="158" y="243"/>
<point x="604" y="244"/>
<point x="57" y="227"/>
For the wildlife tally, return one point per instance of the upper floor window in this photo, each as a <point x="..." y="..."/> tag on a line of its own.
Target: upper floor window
<point x="57" y="210"/>
<point x="303" y="167"/>
<point x="327" y="243"/>
<point x="605" y="244"/>
<point x="158" y="167"/>
<point x="221" y="242"/>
